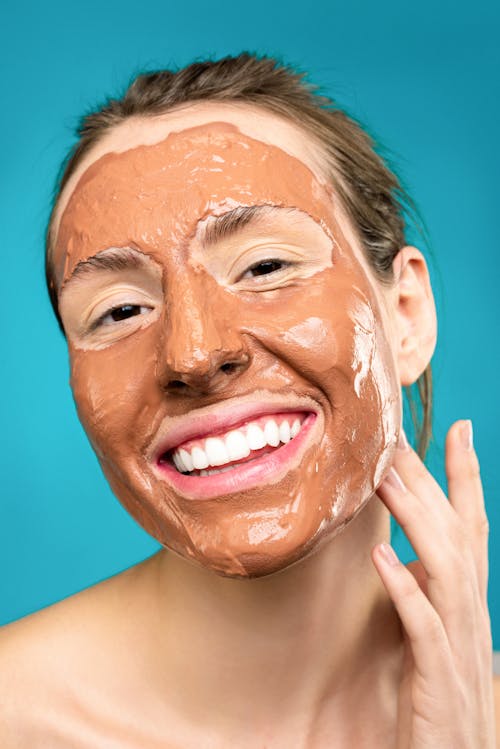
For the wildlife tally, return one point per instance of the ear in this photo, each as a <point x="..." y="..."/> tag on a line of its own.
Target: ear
<point x="416" y="322"/>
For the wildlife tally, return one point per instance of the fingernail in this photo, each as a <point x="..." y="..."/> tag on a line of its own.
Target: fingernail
<point x="466" y="435"/>
<point x="389" y="555"/>
<point x="402" y="441"/>
<point x="394" y="479"/>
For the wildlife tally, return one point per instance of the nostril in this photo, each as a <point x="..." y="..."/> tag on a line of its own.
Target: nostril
<point x="228" y="367"/>
<point x="176" y="384"/>
<point x="204" y="374"/>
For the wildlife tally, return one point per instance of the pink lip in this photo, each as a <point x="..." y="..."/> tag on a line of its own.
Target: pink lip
<point x="220" y="420"/>
<point x="262" y="470"/>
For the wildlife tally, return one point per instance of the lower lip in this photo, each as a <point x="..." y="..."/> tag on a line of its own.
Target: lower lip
<point x="261" y="470"/>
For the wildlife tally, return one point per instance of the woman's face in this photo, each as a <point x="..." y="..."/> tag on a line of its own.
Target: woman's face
<point x="230" y="349"/>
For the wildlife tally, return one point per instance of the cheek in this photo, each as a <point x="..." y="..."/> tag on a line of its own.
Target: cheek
<point x="328" y="326"/>
<point x="116" y="394"/>
<point x="331" y="334"/>
<point x="121" y="406"/>
<point x="325" y="339"/>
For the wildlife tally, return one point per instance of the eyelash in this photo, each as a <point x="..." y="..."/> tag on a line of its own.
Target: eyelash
<point x="100" y="320"/>
<point x="268" y="261"/>
<point x="283" y="264"/>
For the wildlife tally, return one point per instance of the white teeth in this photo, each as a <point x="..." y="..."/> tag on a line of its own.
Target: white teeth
<point x="255" y="437"/>
<point x="285" y="432"/>
<point x="272" y="433"/>
<point x="212" y="471"/>
<point x="237" y="446"/>
<point x="216" y="451"/>
<point x="178" y="462"/>
<point x="185" y="459"/>
<point x="199" y="457"/>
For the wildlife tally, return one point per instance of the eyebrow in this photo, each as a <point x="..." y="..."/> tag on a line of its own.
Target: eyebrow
<point x="221" y="227"/>
<point x="214" y="230"/>
<point x="111" y="259"/>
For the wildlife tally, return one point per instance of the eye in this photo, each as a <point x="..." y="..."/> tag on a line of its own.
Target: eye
<point x="265" y="267"/>
<point x="125" y="311"/>
<point x="120" y="313"/>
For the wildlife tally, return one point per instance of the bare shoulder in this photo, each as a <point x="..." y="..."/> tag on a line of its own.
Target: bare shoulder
<point x="49" y="659"/>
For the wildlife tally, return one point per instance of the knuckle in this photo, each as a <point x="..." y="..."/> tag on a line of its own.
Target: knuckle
<point x="459" y="611"/>
<point x="484" y="628"/>
<point x="433" y="630"/>
<point x="483" y="526"/>
<point x="463" y="567"/>
<point x="409" y="590"/>
<point x="486" y="644"/>
<point x="408" y="514"/>
<point x="458" y="540"/>
<point x="471" y="467"/>
<point x="421" y="472"/>
<point x="467" y="468"/>
<point x="464" y="550"/>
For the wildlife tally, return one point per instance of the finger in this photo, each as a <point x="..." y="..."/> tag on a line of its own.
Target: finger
<point x="432" y="535"/>
<point x="419" y="574"/>
<point x="422" y="624"/>
<point x="446" y="528"/>
<point x="466" y="495"/>
<point x="445" y="556"/>
<point x="421" y="482"/>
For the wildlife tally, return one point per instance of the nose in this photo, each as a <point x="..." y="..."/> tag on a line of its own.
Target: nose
<point x="201" y="348"/>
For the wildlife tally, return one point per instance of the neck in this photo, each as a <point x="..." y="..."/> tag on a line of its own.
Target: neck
<point x="320" y="636"/>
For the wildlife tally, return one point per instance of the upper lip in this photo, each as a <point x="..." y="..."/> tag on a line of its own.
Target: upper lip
<point x="174" y="430"/>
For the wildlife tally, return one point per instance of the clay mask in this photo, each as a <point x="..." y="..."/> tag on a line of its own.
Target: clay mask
<point x="218" y="319"/>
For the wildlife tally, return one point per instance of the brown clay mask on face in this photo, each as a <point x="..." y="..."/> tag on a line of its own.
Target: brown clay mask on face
<point x="276" y="316"/>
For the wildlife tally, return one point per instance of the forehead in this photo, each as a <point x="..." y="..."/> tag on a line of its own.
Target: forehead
<point x="252" y="121"/>
<point x="149" y="182"/>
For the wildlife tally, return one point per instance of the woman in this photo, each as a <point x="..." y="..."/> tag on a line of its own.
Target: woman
<point x="227" y="260"/>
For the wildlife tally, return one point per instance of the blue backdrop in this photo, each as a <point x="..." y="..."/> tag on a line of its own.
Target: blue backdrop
<point x="422" y="76"/>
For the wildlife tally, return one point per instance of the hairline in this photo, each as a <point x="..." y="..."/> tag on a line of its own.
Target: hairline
<point x="324" y="162"/>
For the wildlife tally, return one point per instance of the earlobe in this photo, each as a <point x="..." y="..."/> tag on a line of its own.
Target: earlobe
<point x="415" y="314"/>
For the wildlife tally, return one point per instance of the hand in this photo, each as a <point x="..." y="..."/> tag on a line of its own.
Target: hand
<point x="446" y="693"/>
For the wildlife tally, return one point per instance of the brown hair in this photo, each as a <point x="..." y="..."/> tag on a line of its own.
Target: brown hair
<point x="370" y="192"/>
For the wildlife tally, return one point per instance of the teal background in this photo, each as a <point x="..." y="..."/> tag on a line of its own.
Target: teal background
<point x="422" y="76"/>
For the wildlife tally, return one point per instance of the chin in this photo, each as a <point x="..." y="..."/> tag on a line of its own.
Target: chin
<point x="242" y="551"/>
<point x="262" y="531"/>
<point x="267" y="558"/>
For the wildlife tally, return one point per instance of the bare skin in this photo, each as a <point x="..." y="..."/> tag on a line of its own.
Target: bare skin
<point x="169" y="654"/>
<point x="109" y="666"/>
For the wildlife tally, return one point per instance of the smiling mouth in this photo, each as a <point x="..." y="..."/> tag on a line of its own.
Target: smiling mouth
<point x="227" y="451"/>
